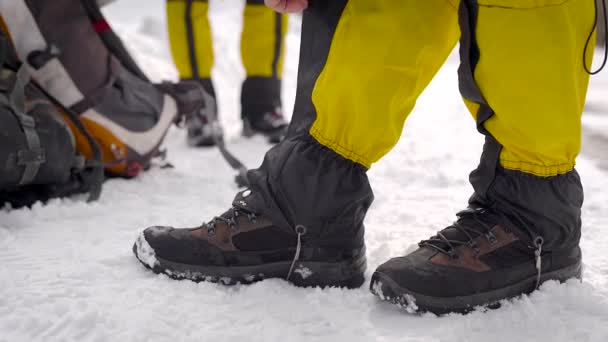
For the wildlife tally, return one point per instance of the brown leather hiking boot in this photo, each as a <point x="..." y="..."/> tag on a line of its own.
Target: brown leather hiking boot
<point x="242" y="246"/>
<point x="472" y="263"/>
<point x="524" y="231"/>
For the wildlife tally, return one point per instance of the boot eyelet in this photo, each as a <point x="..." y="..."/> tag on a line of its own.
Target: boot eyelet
<point x="233" y="226"/>
<point x="211" y="231"/>
<point x="231" y="223"/>
<point x="473" y="245"/>
<point x="300" y="230"/>
<point x="491" y="238"/>
<point x="452" y="254"/>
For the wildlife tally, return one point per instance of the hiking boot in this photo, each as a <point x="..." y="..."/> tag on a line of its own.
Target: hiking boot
<point x="242" y="246"/>
<point x="193" y="97"/>
<point x="261" y="108"/>
<point x="203" y="127"/>
<point x="270" y="123"/>
<point x="477" y="261"/>
<point x="201" y="132"/>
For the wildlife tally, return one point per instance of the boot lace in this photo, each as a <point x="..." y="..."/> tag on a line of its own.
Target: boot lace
<point x="229" y="218"/>
<point x="471" y="224"/>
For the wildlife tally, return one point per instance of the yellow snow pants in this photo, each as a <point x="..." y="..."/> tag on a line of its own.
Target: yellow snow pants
<point x="191" y="39"/>
<point x="528" y="67"/>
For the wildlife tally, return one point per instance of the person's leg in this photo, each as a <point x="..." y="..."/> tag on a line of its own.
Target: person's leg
<point x="192" y="49"/>
<point x="362" y="65"/>
<point x="262" y="52"/>
<point x="190" y="40"/>
<point x="523" y="79"/>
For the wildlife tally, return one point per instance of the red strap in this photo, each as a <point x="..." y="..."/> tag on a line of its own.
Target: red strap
<point x="100" y="25"/>
<point x="133" y="169"/>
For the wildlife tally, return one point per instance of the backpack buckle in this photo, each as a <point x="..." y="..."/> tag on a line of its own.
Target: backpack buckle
<point x="33" y="156"/>
<point x="27" y="121"/>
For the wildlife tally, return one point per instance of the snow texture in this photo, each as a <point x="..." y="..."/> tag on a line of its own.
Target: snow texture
<point x="145" y="253"/>
<point x="68" y="272"/>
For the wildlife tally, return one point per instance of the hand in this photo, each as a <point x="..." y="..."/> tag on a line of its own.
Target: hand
<point x="287" y="6"/>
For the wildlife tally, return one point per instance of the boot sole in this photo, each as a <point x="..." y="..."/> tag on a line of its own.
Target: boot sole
<point x="273" y="136"/>
<point x="200" y="141"/>
<point x="388" y="290"/>
<point x="347" y="274"/>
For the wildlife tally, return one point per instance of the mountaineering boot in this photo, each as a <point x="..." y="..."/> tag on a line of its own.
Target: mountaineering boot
<point x="269" y="123"/>
<point x="493" y="251"/>
<point x="261" y="109"/>
<point x="201" y="131"/>
<point x="127" y="115"/>
<point x="203" y="127"/>
<point x="242" y="246"/>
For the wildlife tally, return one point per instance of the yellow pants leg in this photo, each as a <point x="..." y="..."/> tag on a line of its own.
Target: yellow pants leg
<point x="262" y="51"/>
<point x="530" y="72"/>
<point x="383" y="54"/>
<point x="190" y="38"/>
<point x="523" y="79"/>
<point x="364" y="63"/>
<point x="262" y="47"/>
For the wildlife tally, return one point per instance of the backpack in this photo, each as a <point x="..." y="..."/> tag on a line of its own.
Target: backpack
<point x="127" y="115"/>
<point x="38" y="157"/>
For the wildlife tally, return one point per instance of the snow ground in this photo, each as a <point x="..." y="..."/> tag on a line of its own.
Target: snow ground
<point x="68" y="273"/>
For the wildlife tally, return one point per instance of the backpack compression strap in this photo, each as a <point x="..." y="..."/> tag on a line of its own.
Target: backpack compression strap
<point x="34" y="156"/>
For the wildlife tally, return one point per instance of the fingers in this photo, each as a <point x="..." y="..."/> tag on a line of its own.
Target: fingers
<point x="287" y="6"/>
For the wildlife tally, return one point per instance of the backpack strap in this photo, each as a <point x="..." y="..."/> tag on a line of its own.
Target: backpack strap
<point x="110" y="39"/>
<point x="34" y="155"/>
<point x="91" y="171"/>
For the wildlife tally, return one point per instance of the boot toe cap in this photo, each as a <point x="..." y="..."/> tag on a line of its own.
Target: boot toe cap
<point x="144" y="251"/>
<point x="415" y="274"/>
<point x="170" y="244"/>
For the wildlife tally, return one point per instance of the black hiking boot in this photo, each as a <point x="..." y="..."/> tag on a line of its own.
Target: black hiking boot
<point x="269" y="123"/>
<point x="242" y="246"/>
<point x="201" y="132"/>
<point x="203" y="128"/>
<point x="261" y="108"/>
<point x="474" y="262"/>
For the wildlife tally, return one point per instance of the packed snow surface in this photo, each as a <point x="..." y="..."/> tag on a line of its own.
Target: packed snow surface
<point x="68" y="273"/>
